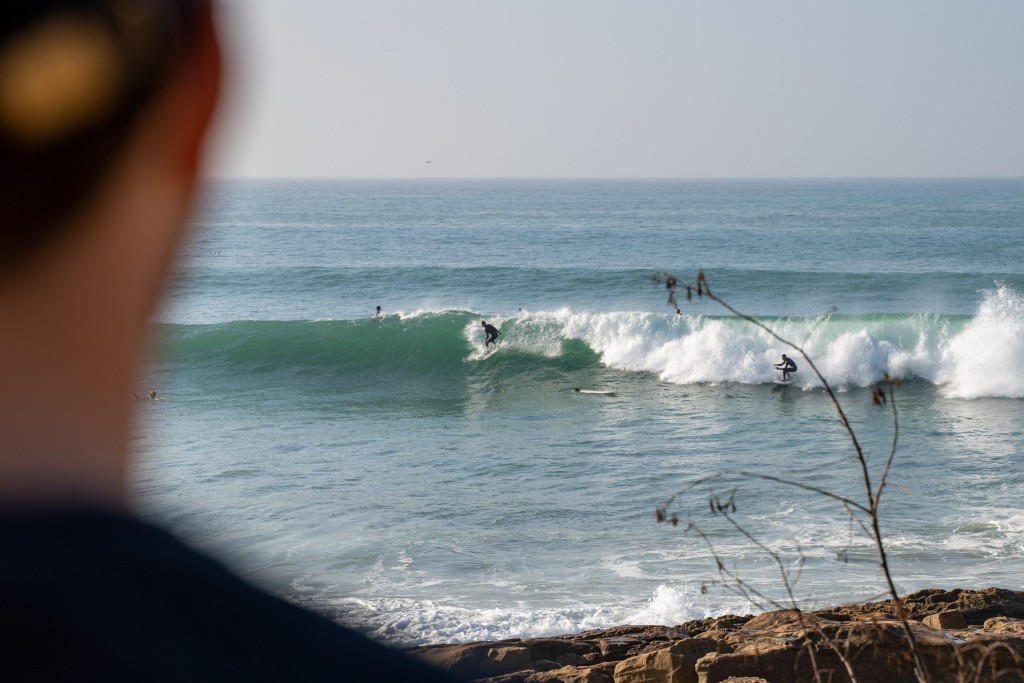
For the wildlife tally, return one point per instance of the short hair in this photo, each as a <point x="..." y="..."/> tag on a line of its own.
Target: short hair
<point x="75" y="77"/>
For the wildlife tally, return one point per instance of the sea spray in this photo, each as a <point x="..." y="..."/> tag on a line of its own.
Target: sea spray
<point x="851" y="351"/>
<point x="987" y="357"/>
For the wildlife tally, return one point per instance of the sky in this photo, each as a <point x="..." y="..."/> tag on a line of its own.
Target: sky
<point x="602" y="88"/>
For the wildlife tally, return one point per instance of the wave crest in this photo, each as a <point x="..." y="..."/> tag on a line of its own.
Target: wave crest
<point x="987" y="357"/>
<point x="966" y="356"/>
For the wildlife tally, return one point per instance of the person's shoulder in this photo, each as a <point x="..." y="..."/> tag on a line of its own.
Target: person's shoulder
<point x="110" y="595"/>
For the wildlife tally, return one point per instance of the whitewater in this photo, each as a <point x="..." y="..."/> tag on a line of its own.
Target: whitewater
<point x="381" y="470"/>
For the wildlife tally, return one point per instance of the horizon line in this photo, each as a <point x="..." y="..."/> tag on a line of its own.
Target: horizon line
<point x="606" y="178"/>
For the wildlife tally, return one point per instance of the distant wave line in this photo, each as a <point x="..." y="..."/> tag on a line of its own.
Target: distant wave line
<point x="968" y="356"/>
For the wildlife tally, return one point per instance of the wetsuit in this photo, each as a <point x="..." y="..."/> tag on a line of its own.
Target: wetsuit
<point x="492" y="333"/>
<point x="787" y="367"/>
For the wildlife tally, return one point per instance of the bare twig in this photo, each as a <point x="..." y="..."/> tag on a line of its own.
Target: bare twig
<point x="733" y="582"/>
<point x="880" y="396"/>
<point x="872" y="495"/>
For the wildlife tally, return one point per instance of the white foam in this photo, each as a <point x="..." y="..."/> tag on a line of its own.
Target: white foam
<point x="406" y="622"/>
<point x="678" y="602"/>
<point x="855" y="359"/>
<point x="1012" y="524"/>
<point x="982" y="356"/>
<point x="987" y="357"/>
<point x="417" y="622"/>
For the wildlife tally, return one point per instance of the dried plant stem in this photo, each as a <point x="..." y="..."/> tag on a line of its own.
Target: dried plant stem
<point x="872" y="495"/>
<point x="734" y="582"/>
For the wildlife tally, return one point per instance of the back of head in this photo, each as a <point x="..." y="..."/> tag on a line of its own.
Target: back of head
<point x="75" y="77"/>
<point x="104" y="108"/>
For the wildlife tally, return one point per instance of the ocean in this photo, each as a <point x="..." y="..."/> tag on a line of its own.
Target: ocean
<point x="383" y="471"/>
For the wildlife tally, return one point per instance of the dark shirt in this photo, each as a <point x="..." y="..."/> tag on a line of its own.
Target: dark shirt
<point x="491" y="331"/>
<point x="94" y="595"/>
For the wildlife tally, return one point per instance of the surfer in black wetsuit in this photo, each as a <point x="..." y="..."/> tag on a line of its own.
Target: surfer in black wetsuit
<point x="491" y="331"/>
<point x="787" y="366"/>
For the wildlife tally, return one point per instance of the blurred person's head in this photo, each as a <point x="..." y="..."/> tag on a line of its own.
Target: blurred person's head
<point x="104" y="108"/>
<point x="76" y="78"/>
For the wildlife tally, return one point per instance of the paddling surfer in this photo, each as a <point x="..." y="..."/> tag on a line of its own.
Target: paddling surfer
<point x="787" y="366"/>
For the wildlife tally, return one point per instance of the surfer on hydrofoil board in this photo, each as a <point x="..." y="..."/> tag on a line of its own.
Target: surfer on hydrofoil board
<point x="787" y="366"/>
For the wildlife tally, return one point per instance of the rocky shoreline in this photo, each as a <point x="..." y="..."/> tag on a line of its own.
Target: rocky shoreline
<point x="963" y="635"/>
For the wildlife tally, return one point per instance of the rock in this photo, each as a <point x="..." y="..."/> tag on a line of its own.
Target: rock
<point x="775" y="658"/>
<point x="553" y="648"/>
<point x="514" y="658"/>
<point x="674" y="664"/>
<point x="730" y="622"/>
<point x="792" y="646"/>
<point x="568" y="674"/>
<point x="781" y="646"/>
<point x="953" y="619"/>
<point x="723" y="623"/>
<point x="833" y="616"/>
<point x="1005" y="625"/>
<point x="602" y="673"/>
<point x="976" y="605"/>
<point x="460" y="660"/>
<point x="518" y="677"/>
<point x="782" y="619"/>
<point x="616" y="648"/>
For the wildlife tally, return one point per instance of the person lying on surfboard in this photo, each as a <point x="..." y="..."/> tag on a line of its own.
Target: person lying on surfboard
<point x="787" y="366"/>
<point x="491" y="331"/>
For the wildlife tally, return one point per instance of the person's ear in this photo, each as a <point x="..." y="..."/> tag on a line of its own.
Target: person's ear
<point x="194" y="92"/>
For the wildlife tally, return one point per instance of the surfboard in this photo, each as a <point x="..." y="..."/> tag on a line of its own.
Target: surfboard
<point x="484" y="353"/>
<point x="780" y="382"/>
<point x="602" y="392"/>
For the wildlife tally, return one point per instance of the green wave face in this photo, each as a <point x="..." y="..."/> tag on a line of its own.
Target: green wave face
<point x="446" y="346"/>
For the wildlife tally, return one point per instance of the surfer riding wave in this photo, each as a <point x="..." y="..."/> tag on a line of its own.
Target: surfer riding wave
<point x="491" y="331"/>
<point x="787" y="366"/>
